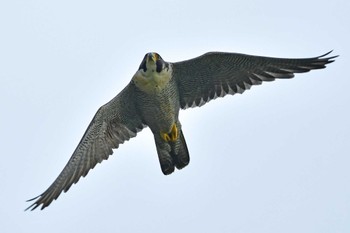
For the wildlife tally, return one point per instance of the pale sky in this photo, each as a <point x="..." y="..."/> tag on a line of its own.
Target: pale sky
<point x="275" y="159"/>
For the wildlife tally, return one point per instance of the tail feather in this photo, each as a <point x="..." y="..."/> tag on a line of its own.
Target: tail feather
<point x="172" y="154"/>
<point x="165" y="159"/>
<point x="179" y="152"/>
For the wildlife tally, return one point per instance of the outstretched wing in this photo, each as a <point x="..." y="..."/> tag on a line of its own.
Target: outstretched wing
<point x="114" y="123"/>
<point x="216" y="74"/>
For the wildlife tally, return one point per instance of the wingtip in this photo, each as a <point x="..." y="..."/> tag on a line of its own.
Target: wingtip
<point x="328" y="58"/>
<point x="34" y="205"/>
<point x="326" y="53"/>
<point x="31" y="207"/>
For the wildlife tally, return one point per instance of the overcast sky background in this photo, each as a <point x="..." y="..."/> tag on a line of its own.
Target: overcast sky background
<point x="275" y="159"/>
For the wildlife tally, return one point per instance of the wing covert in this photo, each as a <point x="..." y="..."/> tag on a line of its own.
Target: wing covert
<point x="217" y="74"/>
<point x="115" y="122"/>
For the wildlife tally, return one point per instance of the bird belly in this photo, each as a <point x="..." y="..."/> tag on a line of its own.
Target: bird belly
<point x="162" y="118"/>
<point x="160" y="111"/>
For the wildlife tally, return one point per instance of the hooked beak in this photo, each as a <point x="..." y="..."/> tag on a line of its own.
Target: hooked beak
<point x="152" y="57"/>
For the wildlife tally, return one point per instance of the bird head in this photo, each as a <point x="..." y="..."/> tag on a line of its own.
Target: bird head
<point x="153" y="74"/>
<point x="152" y="62"/>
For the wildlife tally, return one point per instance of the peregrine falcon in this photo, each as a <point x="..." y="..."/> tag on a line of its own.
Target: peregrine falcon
<point x="153" y="98"/>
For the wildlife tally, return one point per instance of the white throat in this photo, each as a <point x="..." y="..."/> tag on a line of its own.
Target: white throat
<point x="151" y="81"/>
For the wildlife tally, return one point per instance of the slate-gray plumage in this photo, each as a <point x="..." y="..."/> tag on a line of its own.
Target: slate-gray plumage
<point x="154" y="97"/>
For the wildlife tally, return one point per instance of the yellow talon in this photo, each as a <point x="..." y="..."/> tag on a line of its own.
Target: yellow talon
<point x="172" y="135"/>
<point x="165" y="136"/>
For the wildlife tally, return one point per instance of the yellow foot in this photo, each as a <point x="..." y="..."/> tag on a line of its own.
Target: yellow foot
<point x="172" y="135"/>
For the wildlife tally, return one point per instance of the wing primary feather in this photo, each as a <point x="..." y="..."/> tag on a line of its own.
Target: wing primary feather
<point x="216" y="74"/>
<point x="113" y="124"/>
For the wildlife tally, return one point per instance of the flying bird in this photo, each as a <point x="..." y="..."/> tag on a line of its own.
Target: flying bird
<point x="153" y="98"/>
